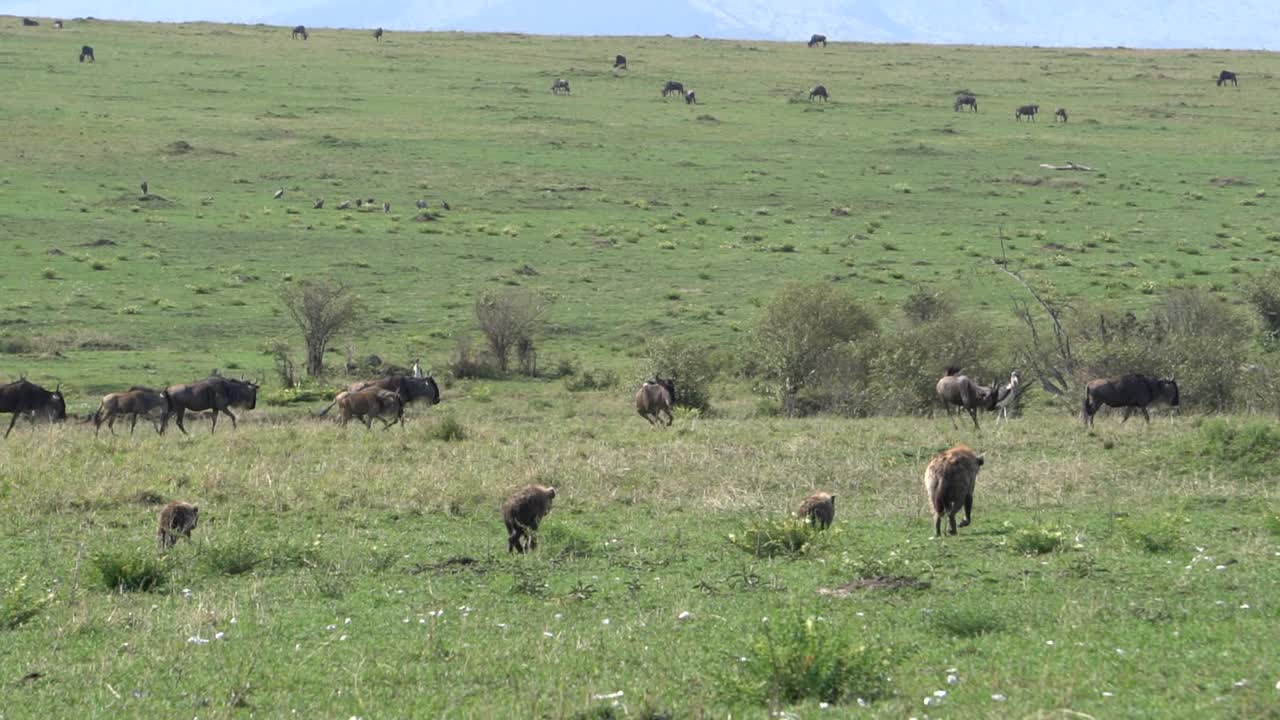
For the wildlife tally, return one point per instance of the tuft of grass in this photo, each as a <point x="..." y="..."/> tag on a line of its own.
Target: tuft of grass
<point x="18" y="605"/>
<point x="449" y="429"/>
<point x="966" y="621"/>
<point x="775" y="537"/>
<point x="1037" y="541"/>
<point x="129" y="570"/>
<point x="1159" y="534"/>
<point x="231" y="557"/>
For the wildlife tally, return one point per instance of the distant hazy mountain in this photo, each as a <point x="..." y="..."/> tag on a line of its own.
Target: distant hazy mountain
<point x="1132" y="23"/>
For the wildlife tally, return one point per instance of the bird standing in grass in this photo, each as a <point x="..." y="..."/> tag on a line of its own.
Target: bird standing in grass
<point x="279" y="194"/>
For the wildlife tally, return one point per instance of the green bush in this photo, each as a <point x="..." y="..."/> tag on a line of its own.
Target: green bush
<point x="132" y="570"/>
<point x="807" y="659"/>
<point x="449" y="430"/>
<point x="18" y="605"/>
<point x="1250" y="447"/>
<point x="1037" y="541"/>
<point x="771" y="538"/>
<point x="692" y="366"/>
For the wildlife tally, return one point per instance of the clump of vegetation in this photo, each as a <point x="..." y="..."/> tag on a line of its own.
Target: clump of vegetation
<point x="18" y="605"/>
<point x="231" y="557"/>
<point x="1252" y="446"/>
<point x="321" y="309"/>
<point x="808" y="660"/>
<point x="1159" y="534"/>
<point x="449" y="430"/>
<point x="690" y="365"/>
<point x="129" y="570"/>
<point x="509" y="321"/>
<point x="1037" y="541"/>
<point x="774" y="537"/>
<point x="965" y="621"/>
<point x="590" y="379"/>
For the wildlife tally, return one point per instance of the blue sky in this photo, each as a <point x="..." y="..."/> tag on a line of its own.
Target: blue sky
<point x="1132" y="23"/>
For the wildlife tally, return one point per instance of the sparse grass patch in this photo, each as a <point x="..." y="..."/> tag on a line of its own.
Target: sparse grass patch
<point x="129" y="569"/>
<point x="18" y="605"/>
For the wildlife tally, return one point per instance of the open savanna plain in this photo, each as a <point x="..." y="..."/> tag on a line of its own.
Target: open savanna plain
<point x="1128" y="571"/>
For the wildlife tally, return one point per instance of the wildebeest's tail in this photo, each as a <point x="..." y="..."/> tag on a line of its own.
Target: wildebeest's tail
<point x="325" y="411"/>
<point x="95" y="417"/>
<point x="1087" y="409"/>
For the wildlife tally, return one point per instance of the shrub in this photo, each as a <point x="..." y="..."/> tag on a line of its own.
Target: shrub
<point x="1251" y="446"/>
<point x="18" y="605"/>
<point x="771" y="538"/>
<point x="466" y="362"/>
<point x="808" y="660"/>
<point x="449" y="430"/>
<point x="692" y="366"/>
<point x="1264" y="294"/>
<point x="130" y="570"/>
<point x="925" y="305"/>
<point x="509" y="321"/>
<point x="321" y="309"/>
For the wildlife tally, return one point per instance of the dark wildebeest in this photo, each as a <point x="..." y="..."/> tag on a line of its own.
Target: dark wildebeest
<point x="377" y="34"/>
<point x="959" y="390"/>
<point x="57" y="24"/>
<point x="28" y="22"/>
<point x="949" y="482"/>
<point x="672" y="86"/>
<point x="215" y="393"/>
<point x="620" y="62"/>
<point x="691" y="98"/>
<point x="410" y="389"/>
<point x="966" y="101"/>
<point x="1226" y="76"/>
<point x="560" y="84"/>
<point x="818" y="91"/>
<point x="1028" y="111"/>
<point x="87" y="52"/>
<point x="1060" y="114"/>
<point x="817" y="40"/>
<point x="523" y="512"/>
<point x="133" y="402"/>
<point x="1129" y="392"/>
<point x="23" y="397"/>
<point x="656" y="396"/>
<point x="299" y="31"/>
<point x="369" y="404"/>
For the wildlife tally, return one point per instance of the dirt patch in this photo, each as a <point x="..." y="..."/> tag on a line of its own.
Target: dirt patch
<point x="1234" y="181"/>
<point x="879" y="582"/>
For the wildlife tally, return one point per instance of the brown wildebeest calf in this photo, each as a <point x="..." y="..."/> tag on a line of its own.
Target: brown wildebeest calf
<point x="369" y="404"/>
<point x="522" y="513"/>
<point x="1129" y="392"/>
<point x="654" y="397"/>
<point x="959" y="390"/>
<point x="133" y="402"/>
<point x="949" y="482"/>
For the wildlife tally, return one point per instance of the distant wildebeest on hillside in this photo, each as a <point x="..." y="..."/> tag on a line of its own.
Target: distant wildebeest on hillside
<point x="817" y="40"/>
<point x="949" y="482"/>
<point x="299" y="32"/>
<point x="818" y="91"/>
<point x="656" y="396"/>
<point x="672" y="86"/>
<point x="559" y="85"/>
<point x="1226" y="76"/>
<point x="691" y="98"/>
<point x="369" y="404"/>
<point x="86" y="52"/>
<point x="955" y="389"/>
<point x="1129" y="392"/>
<point x="57" y="24"/>
<point x="620" y="62"/>
<point x="966" y="101"/>
<point x="23" y="397"/>
<point x="28" y="22"/>
<point x="215" y="393"/>
<point x="1060" y="114"/>
<point x="523" y="512"/>
<point x="133" y="402"/>
<point x="377" y="34"/>
<point x="1027" y="111"/>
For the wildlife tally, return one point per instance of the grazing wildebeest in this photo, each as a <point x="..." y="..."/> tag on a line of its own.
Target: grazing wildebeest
<point x="57" y="24"/>
<point x="28" y="22"/>
<point x="318" y="204"/>
<point x="1060" y="114"/>
<point x="1129" y="392"/>
<point x="299" y="31"/>
<point x="949" y="482"/>
<point x="672" y="86"/>
<point x="691" y="98"/>
<point x="620" y="62"/>
<point x="177" y="519"/>
<point x="87" y="52"/>
<point x="377" y="34"/>
<point x="1226" y="76"/>
<point x="819" y="509"/>
<point x="344" y="204"/>
<point x="560" y="84"/>
<point x="656" y="396"/>
<point x="522" y="513"/>
<point x="133" y="402"/>
<point x="1028" y="111"/>
<point x="23" y="397"/>
<point x="966" y="101"/>
<point x="817" y="40"/>
<point x="1007" y="396"/>
<point x="960" y="390"/>
<point x="410" y="389"/>
<point x="369" y="404"/>
<point x="215" y="393"/>
<point x="819" y="91"/>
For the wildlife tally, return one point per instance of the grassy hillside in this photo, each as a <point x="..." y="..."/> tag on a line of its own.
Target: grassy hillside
<point x="638" y="215"/>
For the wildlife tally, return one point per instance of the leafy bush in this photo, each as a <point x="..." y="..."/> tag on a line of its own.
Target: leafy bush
<point x="231" y="557"/>
<point x="449" y="430"/>
<point x="129" y="570"/>
<point x="692" y="366"/>
<point x="18" y="605"/>
<point x="925" y="305"/>
<point x="808" y="659"/>
<point x="1037" y="541"/>
<point x="1264" y="295"/>
<point x="771" y="538"/>
<point x="466" y="362"/>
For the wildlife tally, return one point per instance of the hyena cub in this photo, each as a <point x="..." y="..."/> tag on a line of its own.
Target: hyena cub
<point x="176" y="518"/>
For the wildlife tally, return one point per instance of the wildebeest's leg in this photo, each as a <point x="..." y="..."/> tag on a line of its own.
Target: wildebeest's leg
<point x="937" y="524"/>
<point x="1127" y="412"/>
<point x="645" y="415"/>
<point x="11" y="423"/>
<point x="968" y="509"/>
<point x="670" y="417"/>
<point x="133" y="423"/>
<point x="532" y="534"/>
<point x="368" y="422"/>
<point x="973" y="413"/>
<point x="178" y="415"/>
<point x="951" y="516"/>
<point x="1145" y="414"/>
<point x="227" y="410"/>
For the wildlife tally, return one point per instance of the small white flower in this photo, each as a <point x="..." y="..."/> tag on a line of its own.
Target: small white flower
<point x="864" y="703"/>
<point x="952" y="679"/>
<point x="1278" y="684"/>
<point x="930" y="700"/>
<point x="219" y="636"/>
<point x="860" y="614"/>
<point x="343" y="638"/>
<point x="999" y="697"/>
<point x="233" y="621"/>
<point x="1119" y="651"/>
<point x="196" y="639"/>
<point x="347" y="621"/>
<point x="558" y="616"/>
<point x="608" y="696"/>
<point x="502" y="625"/>
<point x="824" y="705"/>
<point x="764" y="619"/>
<point x="939" y="694"/>
<point x="1240" y="683"/>
<point x="1244" y="606"/>
<point x="186" y="592"/>
<point x="952" y="670"/>
<point x="422" y="621"/>
<point x="604" y="621"/>
<point x="1049" y="643"/>
<point x="1220" y="567"/>
<point x="297" y="647"/>
<point x="685" y="615"/>
<point x="1107" y="694"/>
<point x="548" y="634"/>
<point x="330" y="627"/>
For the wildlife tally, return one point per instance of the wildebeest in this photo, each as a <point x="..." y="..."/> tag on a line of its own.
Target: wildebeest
<point x="620" y="62"/>
<point x="818" y="91"/>
<point x="1129" y="392"/>
<point x="522" y="512"/>
<point x="966" y="101"/>
<point x="23" y="397"/>
<point x="377" y="34"/>
<point x="560" y="84"/>
<point x="672" y="86"/>
<point x="344" y="204"/>
<point x="28" y="22"/>
<point x="817" y="40"/>
<point x="819" y="509"/>
<point x="369" y="404"/>
<point x="955" y="389"/>
<point x="691" y="98"/>
<point x="656" y="396"/>
<point x="177" y="519"/>
<point x="318" y="204"/>
<point x="949" y="482"/>
<point x="299" y="32"/>
<point x="57" y="24"/>
<point x="1060" y="114"/>
<point x="1028" y="111"/>
<point x="133" y="402"/>
<point x="87" y="52"/>
<point x="1226" y="76"/>
<point x="410" y="389"/>
<point x="215" y="393"/>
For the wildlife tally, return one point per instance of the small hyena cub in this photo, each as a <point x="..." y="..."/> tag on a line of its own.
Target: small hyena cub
<point x="522" y="512"/>
<point x="819" y="508"/>
<point x="177" y="518"/>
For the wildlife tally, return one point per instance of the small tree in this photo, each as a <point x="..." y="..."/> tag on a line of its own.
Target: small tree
<point x="321" y="309"/>
<point x="509" y="321"/>
<point x="800" y="326"/>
